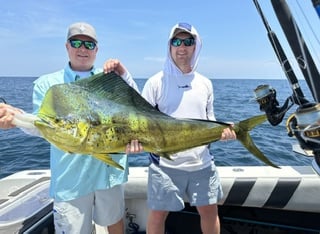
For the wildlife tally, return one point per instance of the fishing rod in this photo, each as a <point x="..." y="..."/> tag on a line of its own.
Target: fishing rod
<point x="265" y="94"/>
<point x="298" y="47"/>
<point x="304" y="124"/>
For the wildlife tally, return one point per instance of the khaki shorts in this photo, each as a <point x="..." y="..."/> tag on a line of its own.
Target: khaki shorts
<point x="104" y="207"/>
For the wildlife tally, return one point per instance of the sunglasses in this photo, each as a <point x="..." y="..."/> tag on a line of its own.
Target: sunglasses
<point x="187" y="42"/>
<point x="76" y="43"/>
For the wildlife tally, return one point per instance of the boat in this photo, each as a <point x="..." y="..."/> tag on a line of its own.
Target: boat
<point x="257" y="199"/>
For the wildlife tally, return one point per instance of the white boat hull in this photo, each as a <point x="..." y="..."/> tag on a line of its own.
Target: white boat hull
<point x="25" y="203"/>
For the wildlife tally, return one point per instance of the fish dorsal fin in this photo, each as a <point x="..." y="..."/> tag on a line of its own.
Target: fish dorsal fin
<point x="113" y="87"/>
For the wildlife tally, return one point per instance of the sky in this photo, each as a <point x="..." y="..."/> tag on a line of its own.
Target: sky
<point x="235" y="42"/>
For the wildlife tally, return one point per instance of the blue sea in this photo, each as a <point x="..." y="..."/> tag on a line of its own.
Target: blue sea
<point x="234" y="101"/>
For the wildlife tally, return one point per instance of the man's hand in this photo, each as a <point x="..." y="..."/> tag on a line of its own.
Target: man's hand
<point x="228" y="134"/>
<point x="134" y="147"/>
<point x="7" y="113"/>
<point x="114" y="65"/>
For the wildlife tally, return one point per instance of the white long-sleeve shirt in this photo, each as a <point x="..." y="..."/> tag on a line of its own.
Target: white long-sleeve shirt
<point x="182" y="95"/>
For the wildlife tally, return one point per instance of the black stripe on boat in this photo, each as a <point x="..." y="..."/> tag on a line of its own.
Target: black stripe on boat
<point x="282" y="192"/>
<point x="24" y="188"/>
<point x="239" y="191"/>
<point x="3" y="201"/>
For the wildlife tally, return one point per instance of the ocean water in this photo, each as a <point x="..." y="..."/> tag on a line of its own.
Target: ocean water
<point x="233" y="102"/>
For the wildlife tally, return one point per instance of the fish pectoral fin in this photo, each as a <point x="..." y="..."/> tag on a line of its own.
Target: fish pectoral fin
<point x="165" y="155"/>
<point x="83" y="130"/>
<point x="106" y="158"/>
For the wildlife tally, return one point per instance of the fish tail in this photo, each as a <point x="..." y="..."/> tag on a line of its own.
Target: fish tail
<point x="244" y="137"/>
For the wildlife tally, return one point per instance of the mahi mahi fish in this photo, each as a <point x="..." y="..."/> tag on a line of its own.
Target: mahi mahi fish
<point x="100" y="115"/>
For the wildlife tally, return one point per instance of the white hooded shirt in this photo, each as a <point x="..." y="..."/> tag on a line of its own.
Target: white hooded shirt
<point x="183" y="96"/>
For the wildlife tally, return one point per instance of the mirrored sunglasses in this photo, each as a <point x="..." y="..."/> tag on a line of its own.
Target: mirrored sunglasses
<point x="187" y="42"/>
<point x="76" y="43"/>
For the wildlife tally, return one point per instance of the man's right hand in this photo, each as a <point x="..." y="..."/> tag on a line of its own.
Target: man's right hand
<point x="134" y="147"/>
<point x="7" y="113"/>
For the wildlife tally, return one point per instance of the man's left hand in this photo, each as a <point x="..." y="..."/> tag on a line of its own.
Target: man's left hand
<point x="228" y="134"/>
<point x="115" y="66"/>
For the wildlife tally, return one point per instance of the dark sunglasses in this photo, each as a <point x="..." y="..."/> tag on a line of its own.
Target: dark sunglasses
<point x="187" y="42"/>
<point x="76" y="43"/>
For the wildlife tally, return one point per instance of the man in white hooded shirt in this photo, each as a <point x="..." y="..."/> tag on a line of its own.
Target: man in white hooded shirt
<point x="181" y="92"/>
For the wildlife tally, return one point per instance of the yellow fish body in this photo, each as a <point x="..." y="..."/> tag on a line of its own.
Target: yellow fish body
<point x="102" y="114"/>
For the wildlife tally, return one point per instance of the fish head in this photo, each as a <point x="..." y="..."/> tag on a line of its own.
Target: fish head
<point x="64" y="118"/>
<point x="67" y="134"/>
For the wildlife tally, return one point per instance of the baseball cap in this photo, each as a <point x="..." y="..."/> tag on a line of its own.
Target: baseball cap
<point x="183" y="27"/>
<point x="82" y="28"/>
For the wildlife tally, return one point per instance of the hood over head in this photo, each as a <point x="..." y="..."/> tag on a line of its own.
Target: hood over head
<point x="170" y="67"/>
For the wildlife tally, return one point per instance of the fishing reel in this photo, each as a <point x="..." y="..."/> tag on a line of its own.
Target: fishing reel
<point x="304" y="124"/>
<point x="266" y="96"/>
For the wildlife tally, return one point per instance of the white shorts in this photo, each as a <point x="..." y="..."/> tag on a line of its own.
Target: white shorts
<point x="104" y="207"/>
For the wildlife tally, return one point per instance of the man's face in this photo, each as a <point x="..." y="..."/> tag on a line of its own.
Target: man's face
<point x="182" y="54"/>
<point x="81" y="59"/>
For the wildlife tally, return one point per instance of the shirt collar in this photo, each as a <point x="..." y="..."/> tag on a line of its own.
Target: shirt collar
<point x="73" y="74"/>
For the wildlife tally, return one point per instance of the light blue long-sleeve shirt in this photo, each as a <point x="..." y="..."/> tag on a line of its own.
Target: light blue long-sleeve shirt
<point x="75" y="175"/>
